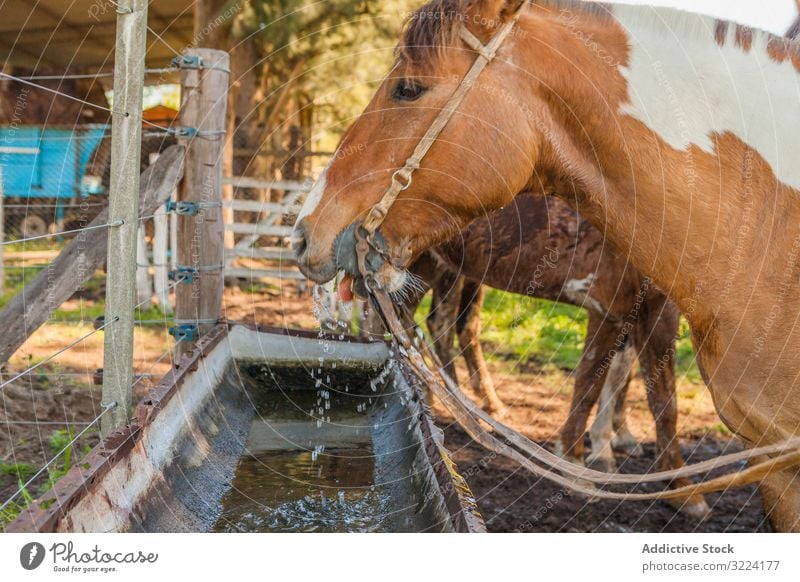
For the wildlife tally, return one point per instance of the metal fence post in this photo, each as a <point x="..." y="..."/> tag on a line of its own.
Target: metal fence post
<point x="126" y="138"/>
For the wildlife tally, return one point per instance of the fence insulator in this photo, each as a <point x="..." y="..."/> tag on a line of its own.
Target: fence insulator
<point x="184" y="333"/>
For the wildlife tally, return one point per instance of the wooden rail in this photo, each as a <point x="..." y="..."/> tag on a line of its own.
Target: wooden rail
<point x="267" y="224"/>
<point x="248" y="182"/>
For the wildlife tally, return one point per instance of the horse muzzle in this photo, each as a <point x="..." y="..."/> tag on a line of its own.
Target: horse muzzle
<point x="345" y="251"/>
<point x="318" y="269"/>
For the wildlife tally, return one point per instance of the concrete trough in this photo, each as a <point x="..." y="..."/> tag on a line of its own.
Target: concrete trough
<point x="244" y="392"/>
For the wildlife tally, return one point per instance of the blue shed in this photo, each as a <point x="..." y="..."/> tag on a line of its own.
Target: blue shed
<point x="44" y="162"/>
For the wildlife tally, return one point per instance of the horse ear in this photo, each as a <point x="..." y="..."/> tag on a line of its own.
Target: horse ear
<point x="484" y="16"/>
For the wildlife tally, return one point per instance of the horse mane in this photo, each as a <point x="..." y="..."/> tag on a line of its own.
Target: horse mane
<point x="429" y="30"/>
<point x="432" y="28"/>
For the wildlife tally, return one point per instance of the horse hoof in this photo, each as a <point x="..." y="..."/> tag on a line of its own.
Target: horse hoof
<point x="602" y="464"/>
<point x="695" y="507"/>
<point x="631" y="448"/>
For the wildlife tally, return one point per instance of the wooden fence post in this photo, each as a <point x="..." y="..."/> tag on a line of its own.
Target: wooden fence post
<point x="2" y="235"/>
<point x="204" y="100"/>
<point x="126" y="145"/>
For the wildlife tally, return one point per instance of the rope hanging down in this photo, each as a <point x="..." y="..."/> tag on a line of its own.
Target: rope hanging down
<point x="570" y="475"/>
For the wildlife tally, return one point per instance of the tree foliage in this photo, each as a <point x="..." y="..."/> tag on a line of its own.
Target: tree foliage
<point x="308" y="64"/>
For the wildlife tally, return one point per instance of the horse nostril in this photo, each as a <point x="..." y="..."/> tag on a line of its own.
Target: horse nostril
<point x="299" y="242"/>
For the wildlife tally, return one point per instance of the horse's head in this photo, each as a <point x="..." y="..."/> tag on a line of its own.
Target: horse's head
<point x="480" y="160"/>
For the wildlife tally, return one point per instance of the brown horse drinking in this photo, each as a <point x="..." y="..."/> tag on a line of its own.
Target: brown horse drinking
<point x="677" y="133"/>
<point x="539" y="247"/>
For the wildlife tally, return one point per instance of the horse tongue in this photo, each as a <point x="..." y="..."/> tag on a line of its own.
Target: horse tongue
<point x="346" y="288"/>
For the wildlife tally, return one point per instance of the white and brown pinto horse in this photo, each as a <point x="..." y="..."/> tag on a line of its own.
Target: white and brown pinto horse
<point x="678" y="134"/>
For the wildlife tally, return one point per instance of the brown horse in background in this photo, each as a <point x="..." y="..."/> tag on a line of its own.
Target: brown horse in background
<point x="672" y="133"/>
<point x="539" y="247"/>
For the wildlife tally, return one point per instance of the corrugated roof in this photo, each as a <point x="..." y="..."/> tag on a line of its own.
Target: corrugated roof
<point x="77" y="36"/>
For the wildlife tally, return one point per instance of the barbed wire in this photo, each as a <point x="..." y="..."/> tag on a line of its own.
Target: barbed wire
<point x="154" y="215"/>
<point x="44" y="422"/>
<point x="106" y="408"/>
<point x="74" y="137"/>
<point x="149" y="373"/>
<point x="151" y="130"/>
<point x="177" y="281"/>
<point x="37" y="206"/>
<point x="177" y="131"/>
<point x="98" y="75"/>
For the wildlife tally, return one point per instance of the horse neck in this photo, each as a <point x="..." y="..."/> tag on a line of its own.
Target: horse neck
<point x="662" y="202"/>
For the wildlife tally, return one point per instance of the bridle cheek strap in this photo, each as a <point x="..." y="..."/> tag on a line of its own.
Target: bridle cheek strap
<point x="401" y="178"/>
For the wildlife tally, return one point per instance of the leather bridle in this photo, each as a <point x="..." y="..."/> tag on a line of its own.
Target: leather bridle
<point x="401" y="178"/>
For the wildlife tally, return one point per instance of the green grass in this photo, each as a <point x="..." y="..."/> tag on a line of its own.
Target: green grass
<point x="546" y="333"/>
<point x="532" y="330"/>
<point x="59" y="440"/>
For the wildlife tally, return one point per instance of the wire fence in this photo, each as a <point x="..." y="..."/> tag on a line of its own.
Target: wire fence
<point x="54" y="181"/>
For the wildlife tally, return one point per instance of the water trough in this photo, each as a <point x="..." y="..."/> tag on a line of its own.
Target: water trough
<point x="263" y="429"/>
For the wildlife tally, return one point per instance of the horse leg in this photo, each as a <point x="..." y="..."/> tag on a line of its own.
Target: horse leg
<point x="780" y="494"/>
<point x="602" y="339"/>
<point x="468" y="325"/>
<point x="441" y="320"/>
<point x="614" y="389"/>
<point x="623" y="440"/>
<point x="656" y="330"/>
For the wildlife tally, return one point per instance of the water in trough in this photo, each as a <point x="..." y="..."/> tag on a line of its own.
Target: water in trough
<point x="311" y="463"/>
<point x="296" y="476"/>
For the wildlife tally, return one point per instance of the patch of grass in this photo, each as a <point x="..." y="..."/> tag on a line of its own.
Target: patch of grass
<point x="533" y="329"/>
<point x="685" y="362"/>
<point x="16" y="470"/>
<point x="20" y="472"/>
<point x="15" y="473"/>
<point x="260" y="287"/>
<point x="547" y="333"/>
<point x="526" y="329"/>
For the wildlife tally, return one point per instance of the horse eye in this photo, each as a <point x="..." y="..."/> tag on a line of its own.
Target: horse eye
<point x="407" y="91"/>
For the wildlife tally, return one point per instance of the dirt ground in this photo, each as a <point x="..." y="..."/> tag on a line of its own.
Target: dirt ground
<point x="510" y="499"/>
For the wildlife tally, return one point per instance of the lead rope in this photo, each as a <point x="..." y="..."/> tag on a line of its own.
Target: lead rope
<point x="467" y="414"/>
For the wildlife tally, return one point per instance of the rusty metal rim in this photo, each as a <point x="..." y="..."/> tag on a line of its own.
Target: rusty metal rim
<point x="46" y="513"/>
